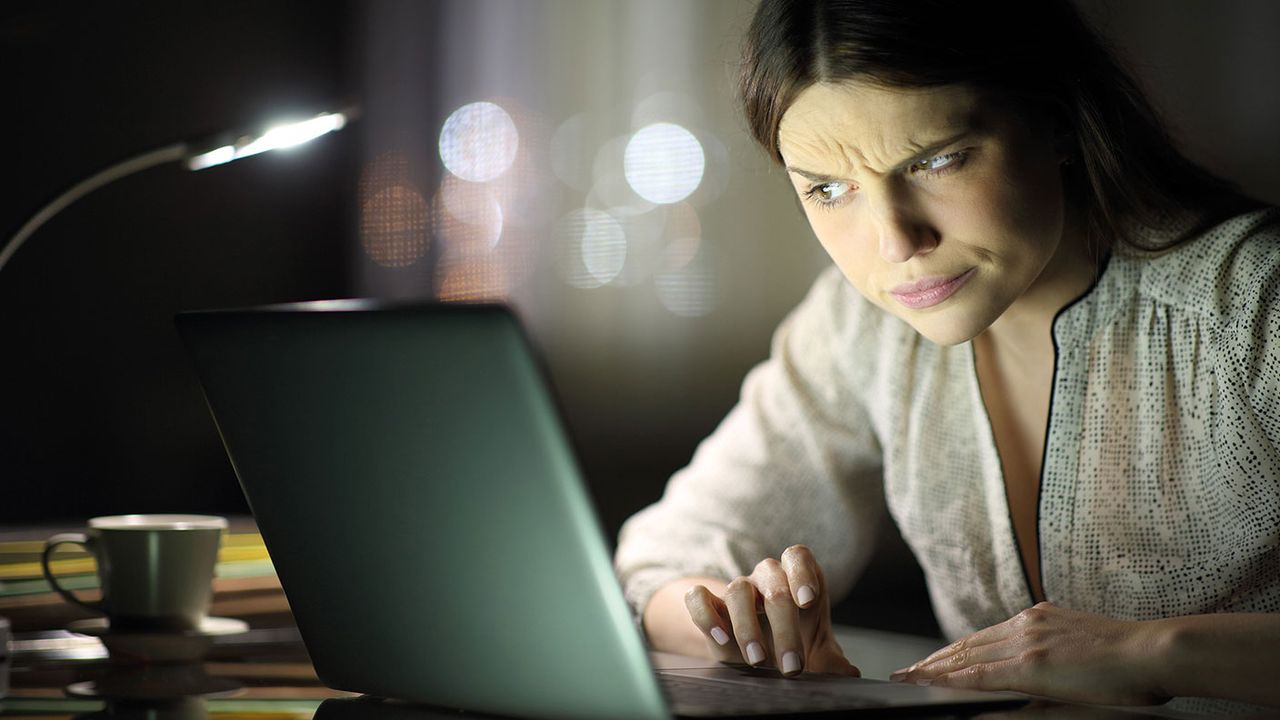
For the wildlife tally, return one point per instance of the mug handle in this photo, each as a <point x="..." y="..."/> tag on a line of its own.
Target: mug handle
<point x="65" y="539"/>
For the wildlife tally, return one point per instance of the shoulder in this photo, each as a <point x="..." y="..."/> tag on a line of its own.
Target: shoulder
<point x="1227" y="274"/>
<point x="1229" y="279"/>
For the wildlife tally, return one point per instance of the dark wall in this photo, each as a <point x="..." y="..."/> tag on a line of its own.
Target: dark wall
<point x="100" y="412"/>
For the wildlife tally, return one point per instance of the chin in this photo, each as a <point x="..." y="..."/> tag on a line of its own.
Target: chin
<point x="958" y="320"/>
<point x="944" y="335"/>
<point x="947" y="328"/>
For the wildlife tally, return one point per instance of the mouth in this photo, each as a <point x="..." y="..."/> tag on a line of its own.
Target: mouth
<point x="930" y="291"/>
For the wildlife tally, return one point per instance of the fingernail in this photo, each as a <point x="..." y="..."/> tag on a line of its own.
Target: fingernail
<point x="804" y="594"/>
<point x="719" y="636"/>
<point x="755" y="653"/>
<point x="897" y="676"/>
<point x="901" y="671"/>
<point x="790" y="663"/>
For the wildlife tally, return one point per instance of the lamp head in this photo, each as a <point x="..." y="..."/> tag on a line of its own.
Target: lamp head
<point x="280" y="136"/>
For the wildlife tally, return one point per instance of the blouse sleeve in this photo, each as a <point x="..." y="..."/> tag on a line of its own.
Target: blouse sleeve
<point x="1249" y="349"/>
<point x="795" y="461"/>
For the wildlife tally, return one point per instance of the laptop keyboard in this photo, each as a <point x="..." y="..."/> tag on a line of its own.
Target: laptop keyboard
<point x="706" y="697"/>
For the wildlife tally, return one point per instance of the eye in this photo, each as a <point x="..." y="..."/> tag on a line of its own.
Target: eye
<point x="940" y="164"/>
<point x="826" y="194"/>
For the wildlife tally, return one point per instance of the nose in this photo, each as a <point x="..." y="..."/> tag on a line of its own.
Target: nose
<point x="901" y="231"/>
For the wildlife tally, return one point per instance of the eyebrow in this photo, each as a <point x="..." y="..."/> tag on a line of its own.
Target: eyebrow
<point x="924" y="154"/>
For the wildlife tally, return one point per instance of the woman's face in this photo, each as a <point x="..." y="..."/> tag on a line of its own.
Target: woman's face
<point x="941" y="205"/>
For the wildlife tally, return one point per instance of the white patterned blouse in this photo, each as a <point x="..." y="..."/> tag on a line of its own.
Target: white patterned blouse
<point x="1160" y="491"/>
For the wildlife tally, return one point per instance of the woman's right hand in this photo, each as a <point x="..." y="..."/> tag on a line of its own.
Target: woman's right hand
<point x="778" y="616"/>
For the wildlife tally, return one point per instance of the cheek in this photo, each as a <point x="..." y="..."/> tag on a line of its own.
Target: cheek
<point x="1028" y="204"/>
<point x="846" y="244"/>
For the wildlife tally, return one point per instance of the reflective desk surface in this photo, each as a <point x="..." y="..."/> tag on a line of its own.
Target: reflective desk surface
<point x="265" y="674"/>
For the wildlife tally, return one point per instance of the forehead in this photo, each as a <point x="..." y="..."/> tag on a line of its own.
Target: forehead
<point x="873" y="124"/>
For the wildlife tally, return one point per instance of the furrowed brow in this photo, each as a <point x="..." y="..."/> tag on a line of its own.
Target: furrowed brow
<point x="924" y="154"/>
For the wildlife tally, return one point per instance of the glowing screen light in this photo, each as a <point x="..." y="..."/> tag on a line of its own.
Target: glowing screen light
<point x="663" y="163"/>
<point x="479" y="142"/>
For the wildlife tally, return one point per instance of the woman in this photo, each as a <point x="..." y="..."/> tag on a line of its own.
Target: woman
<point x="1050" y="345"/>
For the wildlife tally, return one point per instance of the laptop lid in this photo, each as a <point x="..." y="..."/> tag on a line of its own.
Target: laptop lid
<point x="413" y="484"/>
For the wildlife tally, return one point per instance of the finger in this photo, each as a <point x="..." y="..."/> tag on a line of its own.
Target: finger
<point x="1008" y="674"/>
<point x="740" y="599"/>
<point x="1036" y="616"/>
<point x="784" y="617"/>
<point x="802" y="575"/>
<point x="986" y="636"/>
<point x="923" y="672"/>
<point x="709" y="614"/>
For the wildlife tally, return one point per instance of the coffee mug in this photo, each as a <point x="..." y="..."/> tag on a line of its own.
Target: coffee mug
<point x="155" y="571"/>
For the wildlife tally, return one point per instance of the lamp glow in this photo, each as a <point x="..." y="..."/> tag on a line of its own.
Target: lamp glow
<point x="224" y="154"/>
<point x="276" y="138"/>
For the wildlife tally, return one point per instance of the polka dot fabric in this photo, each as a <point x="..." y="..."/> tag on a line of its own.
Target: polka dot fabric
<point x="1161" y="488"/>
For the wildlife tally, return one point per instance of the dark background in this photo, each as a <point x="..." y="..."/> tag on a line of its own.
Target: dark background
<point x="100" y="412"/>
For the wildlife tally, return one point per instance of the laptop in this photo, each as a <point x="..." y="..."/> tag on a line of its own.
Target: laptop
<point x="411" y="478"/>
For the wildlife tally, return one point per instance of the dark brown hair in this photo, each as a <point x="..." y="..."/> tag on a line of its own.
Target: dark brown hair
<point x="1039" y="53"/>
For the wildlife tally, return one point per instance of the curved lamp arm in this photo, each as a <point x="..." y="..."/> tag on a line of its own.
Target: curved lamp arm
<point x="169" y="153"/>
<point x="197" y="156"/>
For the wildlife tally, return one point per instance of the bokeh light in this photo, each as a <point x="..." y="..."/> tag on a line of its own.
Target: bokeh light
<point x="687" y="286"/>
<point x="664" y="163"/>
<point x="609" y="186"/>
<point x="604" y="252"/>
<point x="479" y="142"/>
<point x="472" y="216"/>
<point x="393" y="226"/>
<point x="684" y="236"/>
<point x="394" y="217"/>
<point x="642" y="227"/>
<point x="472" y="280"/>
<point x="527" y="191"/>
<point x="592" y="247"/>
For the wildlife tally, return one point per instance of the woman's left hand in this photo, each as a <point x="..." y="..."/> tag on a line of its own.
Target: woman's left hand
<point x="1050" y="651"/>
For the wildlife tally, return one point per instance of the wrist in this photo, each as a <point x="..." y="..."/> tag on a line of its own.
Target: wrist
<point x="1162" y="645"/>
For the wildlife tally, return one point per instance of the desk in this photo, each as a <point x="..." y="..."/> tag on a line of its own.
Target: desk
<point x="265" y="674"/>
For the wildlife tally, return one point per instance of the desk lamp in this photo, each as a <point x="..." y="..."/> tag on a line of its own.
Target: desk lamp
<point x="198" y="155"/>
<point x="219" y="149"/>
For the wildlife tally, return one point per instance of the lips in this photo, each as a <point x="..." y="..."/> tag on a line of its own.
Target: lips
<point x="930" y="291"/>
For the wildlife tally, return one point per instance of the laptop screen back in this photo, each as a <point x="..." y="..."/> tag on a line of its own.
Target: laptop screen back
<point x="411" y="479"/>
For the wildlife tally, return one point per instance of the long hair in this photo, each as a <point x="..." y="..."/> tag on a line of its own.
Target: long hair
<point x="1041" y="54"/>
